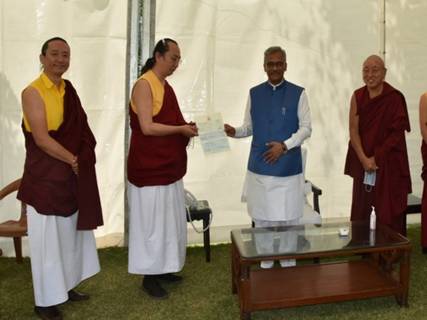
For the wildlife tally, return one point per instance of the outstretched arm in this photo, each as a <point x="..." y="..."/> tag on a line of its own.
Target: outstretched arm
<point x="142" y="99"/>
<point x="245" y="129"/>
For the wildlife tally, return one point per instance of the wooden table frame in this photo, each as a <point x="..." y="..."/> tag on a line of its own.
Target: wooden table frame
<point x="374" y="275"/>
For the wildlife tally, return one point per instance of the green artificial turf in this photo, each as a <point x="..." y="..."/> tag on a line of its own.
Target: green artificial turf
<point x="204" y="294"/>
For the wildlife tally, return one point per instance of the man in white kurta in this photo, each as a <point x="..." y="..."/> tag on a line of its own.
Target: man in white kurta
<point x="275" y="200"/>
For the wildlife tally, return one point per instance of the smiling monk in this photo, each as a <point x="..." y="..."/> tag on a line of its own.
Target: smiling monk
<point x="377" y="158"/>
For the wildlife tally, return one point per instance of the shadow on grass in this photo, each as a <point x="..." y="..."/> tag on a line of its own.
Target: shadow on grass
<point x="204" y="294"/>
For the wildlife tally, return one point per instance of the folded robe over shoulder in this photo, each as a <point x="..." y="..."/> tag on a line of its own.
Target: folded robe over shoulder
<point x="383" y="121"/>
<point x="424" y="200"/>
<point x="50" y="185"/>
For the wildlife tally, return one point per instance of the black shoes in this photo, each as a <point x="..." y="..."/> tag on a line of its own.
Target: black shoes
<point x="169" y="277"/>
<point x="424" y="250"/>
<point x="74" y="295"/>
<point x="52" y="312"/>
<point x="48" y="313"/>
<point x="153" y="288"/>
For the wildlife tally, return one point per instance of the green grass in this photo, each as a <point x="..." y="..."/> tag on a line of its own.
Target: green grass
<point x="204" y="294"/>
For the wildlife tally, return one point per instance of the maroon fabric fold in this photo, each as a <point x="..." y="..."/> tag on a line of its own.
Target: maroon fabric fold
<point x="158" y="160"/>
<point x="383" y="121"/>
<point x="49" y="185"/>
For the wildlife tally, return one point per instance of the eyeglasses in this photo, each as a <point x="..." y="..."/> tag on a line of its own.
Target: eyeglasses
<point x="277" y="64"/>
<point x="372" y="70"/>
<point x="174" y="58"/>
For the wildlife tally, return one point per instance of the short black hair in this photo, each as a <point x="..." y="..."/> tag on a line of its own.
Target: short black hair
<point x="46" y="44"/>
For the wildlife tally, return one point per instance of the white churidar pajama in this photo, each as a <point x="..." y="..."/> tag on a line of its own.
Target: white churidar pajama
<point x="288" y="241"/>
<point x="61" y="256"/>
<point x="157" y="229"/>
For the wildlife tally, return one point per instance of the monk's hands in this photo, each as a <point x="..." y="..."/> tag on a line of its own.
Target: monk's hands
<point x="75" y="165"/>
<point x="369" y="164"/>
<point x="276" y="149"/>
<point x="189" y="130"/>
<point x="229" y="130"/>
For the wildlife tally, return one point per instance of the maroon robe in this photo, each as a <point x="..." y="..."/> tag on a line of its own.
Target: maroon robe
<point x="49" y="185"/>
<point x="382" y="124"/>
<point x="424" y="201"/>
<point x="158" y="160"/>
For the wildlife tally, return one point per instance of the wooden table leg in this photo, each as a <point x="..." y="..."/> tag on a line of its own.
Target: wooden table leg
<point x="234" y="269"/>
<point x="404" y="278"/>
<point x="244" y="292"/>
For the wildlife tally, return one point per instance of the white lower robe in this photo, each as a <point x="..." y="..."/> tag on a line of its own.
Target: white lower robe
<point x="157" y="229"/>
<point x="61" y="256"/>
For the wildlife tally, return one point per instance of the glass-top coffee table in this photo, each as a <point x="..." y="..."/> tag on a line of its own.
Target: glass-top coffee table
<point x="362" y="265"/>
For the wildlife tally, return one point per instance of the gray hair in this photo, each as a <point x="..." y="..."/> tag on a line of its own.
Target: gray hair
<point x="274" y="49"/>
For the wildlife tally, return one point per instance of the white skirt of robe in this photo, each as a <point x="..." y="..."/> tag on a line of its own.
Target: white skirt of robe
<point x="61" y="256"/>
<point x="157" y="229"/>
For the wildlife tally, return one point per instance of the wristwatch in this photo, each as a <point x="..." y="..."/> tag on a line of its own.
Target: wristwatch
<point x="283" y="146"/>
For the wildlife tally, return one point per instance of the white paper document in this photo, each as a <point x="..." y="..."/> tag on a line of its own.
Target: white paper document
<point x="211" y="133"/>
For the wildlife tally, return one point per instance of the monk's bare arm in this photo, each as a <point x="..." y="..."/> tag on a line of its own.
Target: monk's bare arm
<point x="423" y="116"/>
<point x="142" y="99"/>
<point x="35" y="113"/>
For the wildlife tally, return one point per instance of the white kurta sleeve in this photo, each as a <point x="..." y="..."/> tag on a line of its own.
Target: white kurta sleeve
<point x="245" y="130"/>
<point x="304" y="121"/>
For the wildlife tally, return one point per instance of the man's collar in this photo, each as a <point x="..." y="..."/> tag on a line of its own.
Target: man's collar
<point x="275" y="86"/>
<point x="46" y="81"/>
<point x="49" y="84"/>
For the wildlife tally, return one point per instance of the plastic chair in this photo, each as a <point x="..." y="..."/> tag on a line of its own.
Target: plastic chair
<point x="15" y="229"/>
<point x="311" y="214"/>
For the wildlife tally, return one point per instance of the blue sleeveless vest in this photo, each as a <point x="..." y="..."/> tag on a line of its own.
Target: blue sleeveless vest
<point x="274" y="116"/>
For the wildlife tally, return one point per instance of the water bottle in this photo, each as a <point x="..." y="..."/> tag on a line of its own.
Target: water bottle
<point x="373" y="219"/>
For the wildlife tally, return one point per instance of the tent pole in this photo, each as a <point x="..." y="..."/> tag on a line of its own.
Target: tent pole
<point x="382" y="27"/>
<point x="140" y="43"/>
<point x="131" y="74"/>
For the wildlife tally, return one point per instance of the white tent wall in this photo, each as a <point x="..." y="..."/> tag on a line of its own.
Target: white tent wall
<point x="406" y="52"/>
<point x="222" y="44"/>
<point x="96" y="32"/>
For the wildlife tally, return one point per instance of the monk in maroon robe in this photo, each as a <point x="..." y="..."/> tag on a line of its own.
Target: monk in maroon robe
<point x="378" y="121"/>
<point x="423" y="126"/>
